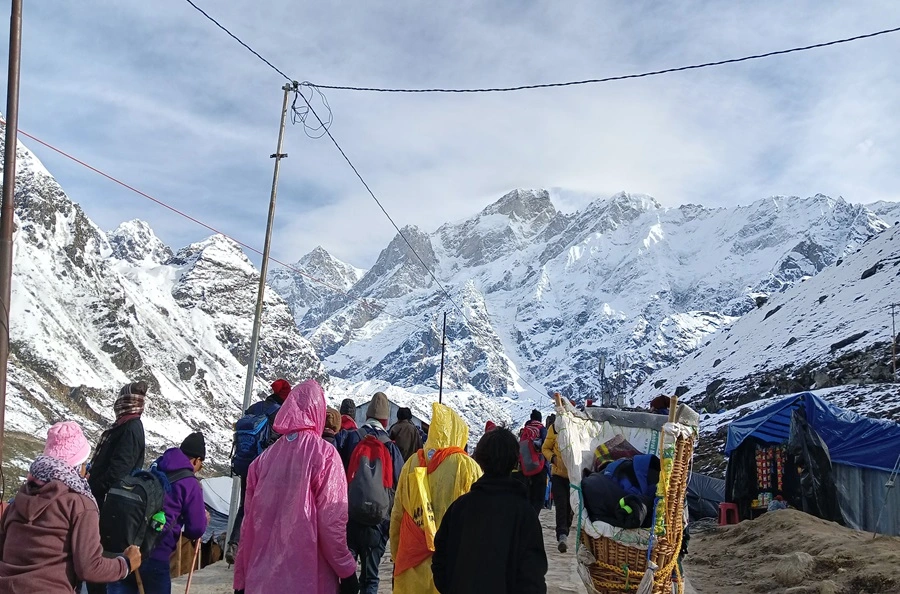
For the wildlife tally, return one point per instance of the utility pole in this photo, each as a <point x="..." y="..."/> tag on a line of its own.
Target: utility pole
<point x="261" y="293"/>
<point x="7" y="210"/>
<point x="443" y="348"/>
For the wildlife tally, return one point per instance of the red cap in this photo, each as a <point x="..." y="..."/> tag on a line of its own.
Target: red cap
<point x="489" y="426"/>
<point x="281" y="388"/>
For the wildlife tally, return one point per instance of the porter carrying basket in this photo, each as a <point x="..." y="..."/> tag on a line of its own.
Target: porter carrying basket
<point x="614" y="560"/>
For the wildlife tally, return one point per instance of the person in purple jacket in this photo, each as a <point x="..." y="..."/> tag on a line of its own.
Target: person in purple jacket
<point x="185" y="514"/>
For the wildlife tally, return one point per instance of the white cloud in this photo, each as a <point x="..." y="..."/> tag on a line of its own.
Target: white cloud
<point x="160" y="97"/>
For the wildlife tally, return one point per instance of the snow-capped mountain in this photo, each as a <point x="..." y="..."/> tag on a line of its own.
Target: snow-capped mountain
<point x="831" y="330"/>
<point x="92" y="311"/>
<point x="544" y="294"/>
<point x="324" y="278"/>
<point x="889" y="212"/>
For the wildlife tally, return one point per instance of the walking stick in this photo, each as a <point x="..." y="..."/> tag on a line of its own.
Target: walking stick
<point x="140" y="582"/>
<point x="187" y="588"/>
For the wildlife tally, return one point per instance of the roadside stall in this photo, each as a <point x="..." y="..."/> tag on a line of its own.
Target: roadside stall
<point x="821" y="459"/>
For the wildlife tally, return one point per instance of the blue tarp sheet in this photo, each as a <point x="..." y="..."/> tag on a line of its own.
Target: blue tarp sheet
<point x="852" y="439"/>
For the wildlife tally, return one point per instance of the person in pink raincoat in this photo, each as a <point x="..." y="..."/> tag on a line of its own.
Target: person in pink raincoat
<point x="294" y="536"/>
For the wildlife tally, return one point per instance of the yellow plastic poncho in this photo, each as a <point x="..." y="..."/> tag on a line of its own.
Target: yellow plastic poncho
<point x="429" y="483"/>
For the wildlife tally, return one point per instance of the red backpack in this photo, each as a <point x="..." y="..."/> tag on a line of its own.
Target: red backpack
<point x="531" y="460"/>
<point x="370" y="480"/>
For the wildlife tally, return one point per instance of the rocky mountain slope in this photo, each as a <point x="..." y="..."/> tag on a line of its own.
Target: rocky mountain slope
<point x="832" y="329"/>
<point x="93" y="310"/>
<point x="544" y="294"/>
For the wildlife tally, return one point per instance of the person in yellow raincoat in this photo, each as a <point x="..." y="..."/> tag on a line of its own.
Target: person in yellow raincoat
<point x="430" y="481"/>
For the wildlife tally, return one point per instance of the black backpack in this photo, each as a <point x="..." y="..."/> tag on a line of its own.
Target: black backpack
<point x="131" y="511"/>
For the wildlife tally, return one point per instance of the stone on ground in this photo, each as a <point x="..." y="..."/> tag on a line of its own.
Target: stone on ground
<point x="792" y="569"/>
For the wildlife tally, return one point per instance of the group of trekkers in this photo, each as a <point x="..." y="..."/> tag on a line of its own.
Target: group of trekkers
<point x="321" y="498"/>
<point x="73" y="521"/>
<point x="326" y="496"/>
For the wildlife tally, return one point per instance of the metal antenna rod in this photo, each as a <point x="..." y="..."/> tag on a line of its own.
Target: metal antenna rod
<point x="443" y="348"/>
<point x="893" y="343"/>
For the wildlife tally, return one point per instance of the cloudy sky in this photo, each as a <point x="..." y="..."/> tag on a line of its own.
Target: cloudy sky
<point x="153" y="93"/>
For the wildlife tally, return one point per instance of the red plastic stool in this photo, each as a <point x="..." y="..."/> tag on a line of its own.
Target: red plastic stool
<point x="728" y="514"/>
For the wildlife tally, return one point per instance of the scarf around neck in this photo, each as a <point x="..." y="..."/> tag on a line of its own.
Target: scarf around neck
<point x="45" y="469"/>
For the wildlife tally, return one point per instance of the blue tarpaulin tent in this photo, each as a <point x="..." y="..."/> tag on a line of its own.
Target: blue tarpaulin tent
<point x="852" y="439"/>
<point x="863" y="453"/>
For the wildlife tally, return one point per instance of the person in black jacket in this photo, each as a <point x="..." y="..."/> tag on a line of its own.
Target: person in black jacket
<point x="120" y="450"/>
<point x="490" y="540"/>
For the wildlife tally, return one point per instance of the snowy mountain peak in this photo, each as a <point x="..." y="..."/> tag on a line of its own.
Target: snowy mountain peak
<point x="520" y="205"/>
<point x="889" y="212"/>
<point x="548" y="292"/>
<point x="215" y="249"/>
<point x="319" y="290"/>
<point x="90" y="313"/>
<point x="607" y="214"/>
<point x="321" y="264"/>
<point x="398" y="270"/>
<point x="625" y="201"/>
<point x="134" y="241"/>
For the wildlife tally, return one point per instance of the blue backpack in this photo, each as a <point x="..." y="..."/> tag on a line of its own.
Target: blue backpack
<point x="252" y="434"/>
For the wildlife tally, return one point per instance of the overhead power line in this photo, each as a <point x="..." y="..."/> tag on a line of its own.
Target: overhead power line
<point x="593" y="81"/>
<point x="365" y="302"/>
<point x="571" y="83"/>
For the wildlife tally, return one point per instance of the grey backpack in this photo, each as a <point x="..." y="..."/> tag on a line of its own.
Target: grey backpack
<point x="370" y="480"/>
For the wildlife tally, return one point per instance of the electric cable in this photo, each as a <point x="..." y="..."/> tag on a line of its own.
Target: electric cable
<point x="571" y="83"/>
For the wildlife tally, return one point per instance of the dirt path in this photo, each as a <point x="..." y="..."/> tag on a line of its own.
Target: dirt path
<point x="562" y="577"/>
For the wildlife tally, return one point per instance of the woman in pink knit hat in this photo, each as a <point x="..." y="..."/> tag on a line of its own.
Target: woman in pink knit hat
<point x="50" y="534"/>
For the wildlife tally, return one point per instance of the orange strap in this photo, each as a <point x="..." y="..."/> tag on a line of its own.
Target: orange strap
<point x="439" y="456"/>
<point x="413" y="549"/>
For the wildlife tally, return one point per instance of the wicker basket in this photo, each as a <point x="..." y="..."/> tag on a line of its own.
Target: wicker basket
<point x="620" y="568"/>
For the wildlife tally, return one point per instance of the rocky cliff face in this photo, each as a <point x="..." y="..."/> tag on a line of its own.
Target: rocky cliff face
<point x="92" y="311"/>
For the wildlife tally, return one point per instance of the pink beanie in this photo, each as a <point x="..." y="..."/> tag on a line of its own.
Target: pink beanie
<point x="66" y="442"/>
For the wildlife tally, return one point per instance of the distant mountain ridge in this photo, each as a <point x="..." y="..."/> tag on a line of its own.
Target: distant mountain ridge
<point x="546" y="293"/>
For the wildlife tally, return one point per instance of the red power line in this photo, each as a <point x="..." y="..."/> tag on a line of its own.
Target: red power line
<point x="365" y="302"/>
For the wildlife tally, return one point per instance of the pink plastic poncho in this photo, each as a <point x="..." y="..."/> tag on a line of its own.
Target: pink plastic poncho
<point x="294" y="535"/>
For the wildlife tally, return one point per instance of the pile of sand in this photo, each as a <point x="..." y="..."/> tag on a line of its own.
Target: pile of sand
<point x="793" y="553"/>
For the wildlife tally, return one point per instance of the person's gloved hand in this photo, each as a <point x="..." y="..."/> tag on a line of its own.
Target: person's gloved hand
<point x="350" y="585"/>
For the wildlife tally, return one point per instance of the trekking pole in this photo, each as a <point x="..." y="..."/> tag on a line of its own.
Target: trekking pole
<point x="187" y="588"/>
<point x="140" y="582"/>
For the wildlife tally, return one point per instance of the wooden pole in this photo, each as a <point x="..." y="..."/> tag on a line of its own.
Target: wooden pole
<point x="893" y="344"/>
<point x="260" y="295"/>
<point x="7" y="210"/>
